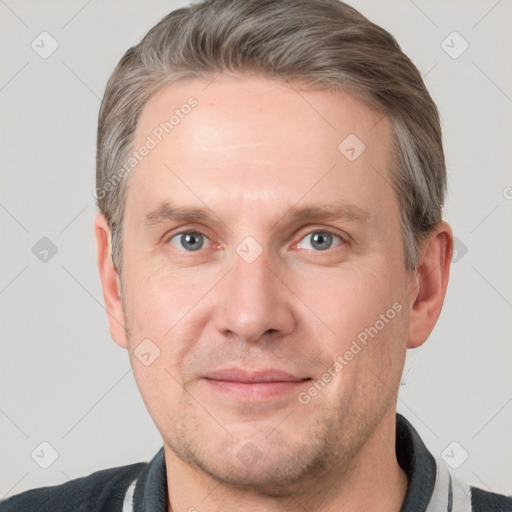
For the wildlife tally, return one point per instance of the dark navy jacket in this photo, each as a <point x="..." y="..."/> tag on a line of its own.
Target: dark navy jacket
<point x="143" y="487"/>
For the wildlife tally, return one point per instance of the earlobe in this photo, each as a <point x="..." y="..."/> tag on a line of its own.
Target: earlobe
<point x="431" y="281"/>
<point x="110" y="282"/>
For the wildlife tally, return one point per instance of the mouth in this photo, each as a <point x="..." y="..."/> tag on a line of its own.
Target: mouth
<point x="253" y="385"/>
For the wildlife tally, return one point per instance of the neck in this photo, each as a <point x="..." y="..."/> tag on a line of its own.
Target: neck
<point x="373" y="472"/>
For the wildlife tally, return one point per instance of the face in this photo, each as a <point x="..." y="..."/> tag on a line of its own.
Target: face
<point x="263" y="266"/>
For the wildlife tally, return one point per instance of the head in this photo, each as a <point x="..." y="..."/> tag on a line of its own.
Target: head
<point x="270" y="178"/>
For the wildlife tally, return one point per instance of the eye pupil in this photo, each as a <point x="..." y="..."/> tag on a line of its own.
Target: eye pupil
<point x="192" y="241"/>
<point x="321" y="241"/>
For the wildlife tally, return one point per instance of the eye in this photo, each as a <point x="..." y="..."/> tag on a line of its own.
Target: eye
<point x="320" y="241"/>
<point x="190" y="241"/>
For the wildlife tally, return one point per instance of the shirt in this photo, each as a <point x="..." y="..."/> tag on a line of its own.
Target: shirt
<point x="142" y="487"/>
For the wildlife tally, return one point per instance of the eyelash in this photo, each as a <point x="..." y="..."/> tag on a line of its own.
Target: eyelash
<point x="342" y="239"/>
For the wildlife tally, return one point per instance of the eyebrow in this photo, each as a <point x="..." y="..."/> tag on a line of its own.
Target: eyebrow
<point x="319" y="213"/>
<point x="347" y="212"/>
<point x="167" y="212"/>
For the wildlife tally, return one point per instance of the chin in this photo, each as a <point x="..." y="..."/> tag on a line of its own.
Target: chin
<point x="269" y="466"/>
<point x="271" y="475"/>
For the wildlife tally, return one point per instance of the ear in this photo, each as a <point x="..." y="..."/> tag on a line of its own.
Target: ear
<point x="110" y="282"/>
<point x="429" y="284"/>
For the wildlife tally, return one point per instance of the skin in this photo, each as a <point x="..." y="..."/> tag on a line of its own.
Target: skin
<point x="251" y="151"/>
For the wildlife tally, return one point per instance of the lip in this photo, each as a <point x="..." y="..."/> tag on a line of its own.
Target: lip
<point x="253" y="376"/>
<point x="254" y="385"/>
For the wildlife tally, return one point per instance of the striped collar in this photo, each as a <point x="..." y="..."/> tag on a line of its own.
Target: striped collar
<point x="430" y="486"/>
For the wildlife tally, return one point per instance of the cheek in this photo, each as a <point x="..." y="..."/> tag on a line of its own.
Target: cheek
<point x="156" y="300"/>
<point x="364" y="320"/>
<point x="160" y="388"/>
<point x="368" y="317"/>
<point x="349" y="300"/>
<point x="168" y="309"/>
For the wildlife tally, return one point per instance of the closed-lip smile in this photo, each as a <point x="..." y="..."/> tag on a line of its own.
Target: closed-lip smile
<point x="254" y="385"/>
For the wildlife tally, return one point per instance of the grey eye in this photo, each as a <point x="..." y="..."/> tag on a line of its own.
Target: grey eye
<point x="190" y="241"/>
<point x="319" y="240"/>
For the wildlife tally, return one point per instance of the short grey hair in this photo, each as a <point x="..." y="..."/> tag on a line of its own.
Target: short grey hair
<point x="319" y="44"/>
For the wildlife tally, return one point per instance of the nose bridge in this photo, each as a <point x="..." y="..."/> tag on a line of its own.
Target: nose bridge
<point x="254" y="300"/>
<point x="250" y="282"/>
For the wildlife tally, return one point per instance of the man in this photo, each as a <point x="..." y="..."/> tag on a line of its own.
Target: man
<point x="270" y="177"/>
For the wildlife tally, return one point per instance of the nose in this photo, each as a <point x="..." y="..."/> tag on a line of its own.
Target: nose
<point x="254" y="304"/>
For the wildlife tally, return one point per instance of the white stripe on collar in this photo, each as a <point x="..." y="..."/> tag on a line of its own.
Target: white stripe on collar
<point x="449" y="495"/>
<point x="128" y="497"/>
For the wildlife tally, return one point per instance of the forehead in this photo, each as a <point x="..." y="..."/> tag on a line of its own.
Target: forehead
<point x="242" y="140"/>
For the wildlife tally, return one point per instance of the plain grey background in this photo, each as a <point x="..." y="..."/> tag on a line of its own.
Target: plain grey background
<point x="65" y="383"/>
